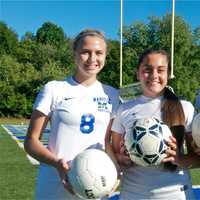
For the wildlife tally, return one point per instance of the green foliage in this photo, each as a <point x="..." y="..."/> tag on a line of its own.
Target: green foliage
<point x="16" y="87"/>
<point x="51" y="71"/>
<point x="196" y="36"/>
<point x="29" y="36"/>
<point x="51" y="34"/>
<point x="44" y="54"/>
<point x="8" y="40"/>
<point x="110" y="73"/>
<point x="157" y="34"/>
<point x="26" y="52"/>
<point x="26" y="65"/>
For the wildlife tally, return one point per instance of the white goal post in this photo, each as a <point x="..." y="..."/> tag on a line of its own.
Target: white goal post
<point x="121" y="46"/>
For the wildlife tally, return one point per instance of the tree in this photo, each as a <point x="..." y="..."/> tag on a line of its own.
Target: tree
<point x="196" y="36"/>
<point x="50" y="34"/>
<point x="8" y="40"/>
<point x="110" y="72"/>
<point x="26" y="65"/>
<point x="17" y="87"/>
<point x="157" y="34"/>
<point x="29" y="36"/>
<point x="26" y="52"/>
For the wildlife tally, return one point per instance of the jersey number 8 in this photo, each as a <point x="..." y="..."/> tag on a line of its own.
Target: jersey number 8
<point x="87" y="123"/>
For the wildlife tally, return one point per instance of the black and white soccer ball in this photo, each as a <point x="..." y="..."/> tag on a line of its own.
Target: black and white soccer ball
<point x="145" y="141"/>
<point x="93" y="174"/>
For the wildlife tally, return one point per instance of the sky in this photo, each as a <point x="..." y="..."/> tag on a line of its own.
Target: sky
<point x="76" y="15"/>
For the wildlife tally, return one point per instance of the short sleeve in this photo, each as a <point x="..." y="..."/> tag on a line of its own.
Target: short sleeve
<point x="117" y="125"/>
<point x="115" y="104"/>
<point x="189" y="112"/>
<point x="44" y="99"/>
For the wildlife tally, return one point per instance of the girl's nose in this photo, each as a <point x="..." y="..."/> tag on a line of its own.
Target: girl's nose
<point x="154" y="74"/>
<point x="92" y="57"/>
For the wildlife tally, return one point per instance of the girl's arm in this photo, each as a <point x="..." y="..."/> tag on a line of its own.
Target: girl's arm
<point x="37" y="150"/>
<point x="32" y="143"/>
<point x="108" y="144"/>
<point x="120" y="151"/>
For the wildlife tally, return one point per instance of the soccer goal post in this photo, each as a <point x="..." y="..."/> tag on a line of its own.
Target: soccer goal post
<point x="121" y="42"/>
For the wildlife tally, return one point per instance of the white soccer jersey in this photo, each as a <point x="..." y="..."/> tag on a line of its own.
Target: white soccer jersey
<point x="79" y="118"/>
<point x="151" y="182"/>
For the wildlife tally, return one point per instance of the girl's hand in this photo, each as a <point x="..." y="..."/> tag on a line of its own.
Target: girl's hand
<point x="123" y="156"/>
<point x="172" y="151"/>
<point x="63" y="168"/>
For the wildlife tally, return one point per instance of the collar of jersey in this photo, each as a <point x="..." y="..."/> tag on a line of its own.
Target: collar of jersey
<point x="73" y="82"/>
<point x="151" y="99"/>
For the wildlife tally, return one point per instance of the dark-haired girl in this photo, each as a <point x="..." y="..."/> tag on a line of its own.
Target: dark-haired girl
<point x="171" y="179"/>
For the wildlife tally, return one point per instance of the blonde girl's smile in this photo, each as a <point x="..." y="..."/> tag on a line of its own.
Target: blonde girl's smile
<point x="90" y="57"/>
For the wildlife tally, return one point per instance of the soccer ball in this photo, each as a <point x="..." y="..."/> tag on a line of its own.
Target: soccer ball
<point x="145" y="141"/>
<point x="196" y="129"/>
<point x="92" y="174"/>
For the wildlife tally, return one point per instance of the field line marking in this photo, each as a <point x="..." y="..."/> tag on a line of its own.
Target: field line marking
<point x="20" y="144"/>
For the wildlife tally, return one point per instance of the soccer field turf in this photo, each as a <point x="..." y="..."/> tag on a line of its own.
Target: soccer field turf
<point x="17" y="174"/>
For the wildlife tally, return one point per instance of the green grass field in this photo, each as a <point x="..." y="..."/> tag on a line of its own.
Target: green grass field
<point x="11" y="120"/>
<point x="17" y="175"/>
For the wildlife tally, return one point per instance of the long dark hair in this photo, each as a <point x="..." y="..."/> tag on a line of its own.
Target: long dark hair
<point x="173" y="115"/>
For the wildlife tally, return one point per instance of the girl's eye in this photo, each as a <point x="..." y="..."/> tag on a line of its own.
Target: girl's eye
<point x="161" y="70"/>
<point x="147" y="70"/>
<point x="84" y="52"/>
<point x="99" y="53"/>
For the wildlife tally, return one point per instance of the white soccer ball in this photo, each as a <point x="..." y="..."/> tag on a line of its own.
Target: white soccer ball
<point x="145" y="141"/>
<point x="196" y="129"/>
<point x="92" y="174"/>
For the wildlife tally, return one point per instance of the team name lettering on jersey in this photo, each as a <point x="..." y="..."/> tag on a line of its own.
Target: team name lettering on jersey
<point x="103" y="104"/>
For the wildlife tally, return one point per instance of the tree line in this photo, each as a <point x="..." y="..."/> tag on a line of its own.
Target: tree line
<point x="26" y="64"/>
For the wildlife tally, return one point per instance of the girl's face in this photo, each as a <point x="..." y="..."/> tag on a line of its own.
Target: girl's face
<point x="90" y="56"/>
<point x="153" y="74"/>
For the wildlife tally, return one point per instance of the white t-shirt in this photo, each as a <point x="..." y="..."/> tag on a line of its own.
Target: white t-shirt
<point x="79" y="118"/>
<point x="151" y="182"/>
